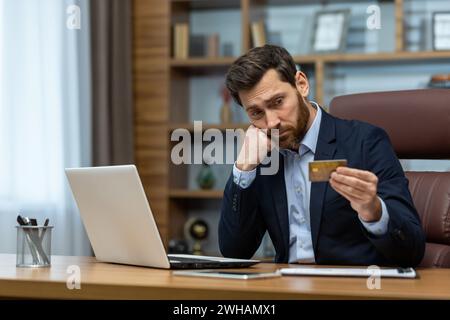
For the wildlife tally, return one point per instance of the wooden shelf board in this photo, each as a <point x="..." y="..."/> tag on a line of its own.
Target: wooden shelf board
<point x="381" y="56"/>
<point x="326" y="58"/>
<point x="277" y="3"/>
<point x="210" y="4"/>
<point x="190" y="126"/>
<point x="195" y="194"/>
<point x="202" y="62"/>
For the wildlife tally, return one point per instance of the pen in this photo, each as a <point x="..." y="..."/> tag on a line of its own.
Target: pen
<point x="33" y="251"/>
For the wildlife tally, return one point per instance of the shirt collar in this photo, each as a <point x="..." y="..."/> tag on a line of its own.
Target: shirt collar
<point x="309" y="141"/>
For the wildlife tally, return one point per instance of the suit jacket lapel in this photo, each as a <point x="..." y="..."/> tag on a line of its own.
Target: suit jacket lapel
<point x="325" y="150"/>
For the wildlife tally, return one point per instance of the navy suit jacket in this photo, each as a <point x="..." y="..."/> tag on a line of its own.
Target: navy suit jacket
<point x="337" y="234"/>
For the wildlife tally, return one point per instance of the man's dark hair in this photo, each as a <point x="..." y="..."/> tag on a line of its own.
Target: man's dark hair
<point x="248" y="69"/>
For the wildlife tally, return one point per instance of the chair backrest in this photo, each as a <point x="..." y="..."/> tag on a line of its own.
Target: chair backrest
<point x="431" y="195"/>
<point x="417" y="121"/>
<point x="418" y="124"/>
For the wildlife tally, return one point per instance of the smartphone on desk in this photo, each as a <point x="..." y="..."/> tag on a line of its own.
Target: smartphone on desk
<point x="228" y="274"/>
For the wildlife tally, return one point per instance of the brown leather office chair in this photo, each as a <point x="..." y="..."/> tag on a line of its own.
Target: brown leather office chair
<point x="418" y="124"/>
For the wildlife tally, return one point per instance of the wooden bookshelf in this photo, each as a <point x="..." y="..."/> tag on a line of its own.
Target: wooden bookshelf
<point x="399" y="27"/>
<point x="320" y="61"/>
<point x="162" y="90"/>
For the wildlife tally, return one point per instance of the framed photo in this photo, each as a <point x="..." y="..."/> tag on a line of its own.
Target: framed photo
<point x="441" y="30"/>
<point x="330" y="31"/>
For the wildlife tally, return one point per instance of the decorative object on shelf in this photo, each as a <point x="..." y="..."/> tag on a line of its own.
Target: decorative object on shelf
<point x="225" y="110"/>
<point x="330" y="31"/>
<point x="181" y="41"/>
<point x="440" y="81"/>
<point x="178" y="246"/>
<point x="205" y="177"/>
<point x="196" y="229"/>
<point x="259" y="37"/>
<point x="227" y="49"/>
<point x="441" y="30"/>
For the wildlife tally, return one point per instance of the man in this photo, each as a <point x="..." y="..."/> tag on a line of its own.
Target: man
<point x="364" y="215"/>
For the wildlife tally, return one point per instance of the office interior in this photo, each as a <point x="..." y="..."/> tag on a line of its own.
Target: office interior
<point x="101" y="83"/>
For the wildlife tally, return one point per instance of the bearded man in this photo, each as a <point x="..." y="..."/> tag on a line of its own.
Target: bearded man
<point x="364" y="215"/>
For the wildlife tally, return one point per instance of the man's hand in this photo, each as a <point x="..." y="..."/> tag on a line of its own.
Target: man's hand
<point x="254" y="149"/>
<point x="360" y="188"/>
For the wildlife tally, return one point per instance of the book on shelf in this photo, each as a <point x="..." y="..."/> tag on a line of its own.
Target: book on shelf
<point x="197" y="45"/>
<point x="181" y="41"/>
<point x="213" y="45"/>
<point x="259" y="36"/>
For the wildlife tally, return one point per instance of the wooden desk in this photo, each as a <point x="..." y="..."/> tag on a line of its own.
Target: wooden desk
<point x="111" y="281"/>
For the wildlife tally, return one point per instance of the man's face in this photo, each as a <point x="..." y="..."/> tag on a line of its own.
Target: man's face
<point x="275" y="104"/>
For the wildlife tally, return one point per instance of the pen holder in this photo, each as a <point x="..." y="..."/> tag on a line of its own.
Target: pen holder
<point x="33" y="246"/>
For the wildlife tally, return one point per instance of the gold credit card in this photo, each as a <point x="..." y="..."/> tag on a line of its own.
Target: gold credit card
<point x="321" y="170"/>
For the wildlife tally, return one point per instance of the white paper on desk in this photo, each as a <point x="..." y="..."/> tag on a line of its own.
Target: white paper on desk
<point x="350" y="272"/>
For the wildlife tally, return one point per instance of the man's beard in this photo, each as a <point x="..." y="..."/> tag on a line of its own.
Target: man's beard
<point x="290" y="136"/>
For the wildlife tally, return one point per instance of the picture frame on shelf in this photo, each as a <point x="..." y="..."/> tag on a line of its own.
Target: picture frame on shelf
<point x="441" y="30"/>
<point x="330" y="31"/>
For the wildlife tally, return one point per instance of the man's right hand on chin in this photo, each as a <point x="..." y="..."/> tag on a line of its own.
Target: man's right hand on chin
<point x="254" y="149"/>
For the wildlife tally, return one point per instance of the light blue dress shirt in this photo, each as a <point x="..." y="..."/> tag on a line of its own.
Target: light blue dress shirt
<point x="298" y="190"/>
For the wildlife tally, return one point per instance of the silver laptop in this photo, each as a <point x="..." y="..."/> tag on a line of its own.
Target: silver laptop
<point x="120" y="223"/>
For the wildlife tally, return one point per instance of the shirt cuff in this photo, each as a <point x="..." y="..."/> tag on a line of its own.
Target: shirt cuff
<point x="243" y="178"/>
<point x="379" y="227"/>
